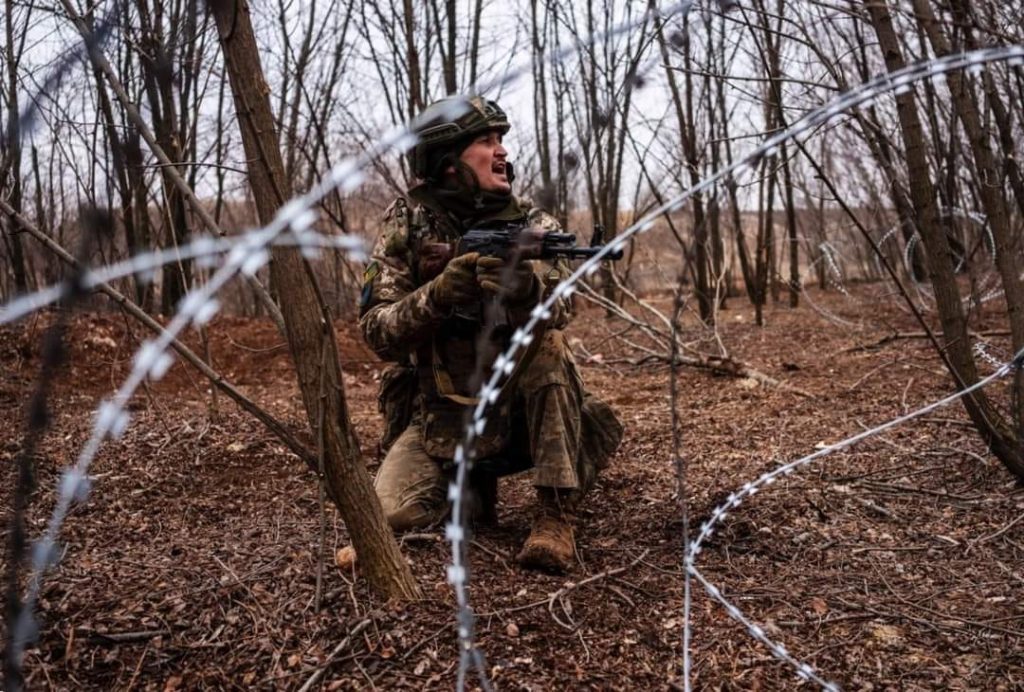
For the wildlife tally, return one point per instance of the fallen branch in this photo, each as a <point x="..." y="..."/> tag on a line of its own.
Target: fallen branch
<point x="998" y="533"/>
<point x="876" y="508"/>
<point x="897" y="336"/>
<point x="720" y="365"/>
<point x="215" y="378"/>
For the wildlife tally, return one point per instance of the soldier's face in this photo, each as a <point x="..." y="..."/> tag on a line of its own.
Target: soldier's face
<point x="487" y="158"/>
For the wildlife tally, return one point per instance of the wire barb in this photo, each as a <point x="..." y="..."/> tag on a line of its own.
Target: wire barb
<point x="1018" y="361"/>
<point x="854" y="98"/>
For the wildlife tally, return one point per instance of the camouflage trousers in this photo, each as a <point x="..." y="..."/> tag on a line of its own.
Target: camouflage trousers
<point x="557" y="429"/>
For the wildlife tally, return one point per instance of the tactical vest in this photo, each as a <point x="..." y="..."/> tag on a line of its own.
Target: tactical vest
<point x="445" y="365"/>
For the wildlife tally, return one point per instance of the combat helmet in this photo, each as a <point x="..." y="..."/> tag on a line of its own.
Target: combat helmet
<point x="447" y="127"/>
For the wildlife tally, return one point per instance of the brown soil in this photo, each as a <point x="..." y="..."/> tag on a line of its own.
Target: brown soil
<point x="193" y="564"/>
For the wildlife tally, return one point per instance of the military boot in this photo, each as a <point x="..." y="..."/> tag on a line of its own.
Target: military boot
<point x="550" y="545"/>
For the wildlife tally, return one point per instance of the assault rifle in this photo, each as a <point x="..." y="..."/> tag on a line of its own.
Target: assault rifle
<point x="531" y="243"/>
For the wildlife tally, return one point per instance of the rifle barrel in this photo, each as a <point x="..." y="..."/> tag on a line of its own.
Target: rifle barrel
<point x="584" y="252"/>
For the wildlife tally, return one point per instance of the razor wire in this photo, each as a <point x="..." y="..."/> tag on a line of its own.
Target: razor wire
<point x="736" y="498"/>
<point x="247" y="256"/>
<point x="981" y="350"/>
<point x="151" y="362"/>
<point x="861" y="96"/>
<point x="829" y="253"/>
<point x="988" y="286"/>
<point x="203" y="249"/>
<point x="915" y="239"/>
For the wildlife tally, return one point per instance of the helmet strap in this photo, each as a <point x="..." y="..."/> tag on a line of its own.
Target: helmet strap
<point x="462" y="196"/>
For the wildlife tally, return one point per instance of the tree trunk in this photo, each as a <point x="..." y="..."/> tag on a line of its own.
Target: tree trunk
<point x="993" y="201"/>
<point x="306" y="321"/>
<point x="993" y="428"/>
<point x="742" y="253"/>
<point x="691" y="157"/>
<point x="13" y="154"/>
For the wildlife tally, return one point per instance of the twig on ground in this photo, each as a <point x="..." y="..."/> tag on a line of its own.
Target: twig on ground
<point x="502" y="558"/>
<point x="138" y="667"/>
<point x="903" y="397"/>
<point x="319" y="672"/>
<point x="874" y="371"/>
<point x="127" y="637"/>
<point x="572" y="586"/>
<point x="998" y="533"/>
<point x="897" y="488"/>
<point x="241" y="583"/>
<point x="947" y="616"/>
<point x="895" y="336"/>
<point x="424" y="537"/>
<point x="878" y="509"/>
<point x="419" y="645"/>
<point x="568" y="624"/>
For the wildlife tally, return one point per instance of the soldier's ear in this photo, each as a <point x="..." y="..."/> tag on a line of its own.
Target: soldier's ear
<point x="452" y="166"/>
<point x="510" y="172"/>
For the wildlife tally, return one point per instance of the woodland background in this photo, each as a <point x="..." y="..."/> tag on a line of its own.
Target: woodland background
<point x="885" y="241"/>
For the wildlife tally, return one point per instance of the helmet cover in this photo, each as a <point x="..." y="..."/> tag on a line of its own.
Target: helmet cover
<point x="448" y="126"/>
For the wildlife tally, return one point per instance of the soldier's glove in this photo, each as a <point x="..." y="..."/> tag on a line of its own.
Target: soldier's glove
<point x="515" y="284"/>
<point x="456" y="285"/>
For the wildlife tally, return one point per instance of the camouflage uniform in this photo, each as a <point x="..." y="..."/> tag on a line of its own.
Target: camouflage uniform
<point x="544" y="420"/>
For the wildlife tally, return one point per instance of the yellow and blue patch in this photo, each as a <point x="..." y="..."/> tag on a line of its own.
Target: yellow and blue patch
<point x="372" y="272"/>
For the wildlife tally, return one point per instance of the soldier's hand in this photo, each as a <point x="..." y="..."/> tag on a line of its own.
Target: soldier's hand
<point x="516" y="284"/>
<point x="457" y="284"/>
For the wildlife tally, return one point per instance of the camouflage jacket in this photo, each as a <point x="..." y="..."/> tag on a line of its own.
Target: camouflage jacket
<point x="401" y="323"/>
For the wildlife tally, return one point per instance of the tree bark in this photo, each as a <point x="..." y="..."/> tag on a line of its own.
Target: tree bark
<point x="999" y="436"/>
<point x="993" y="201"/>
<point x="13" y="168"/>
<point x="307" y="327"/>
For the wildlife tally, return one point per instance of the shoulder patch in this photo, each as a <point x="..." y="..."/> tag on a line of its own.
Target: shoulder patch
<point x="396" y="242"/>
<point x="369" y="274"/>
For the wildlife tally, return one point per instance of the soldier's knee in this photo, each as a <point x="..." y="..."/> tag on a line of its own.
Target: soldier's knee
<point x="413" y="505"/>
<point x="552" y="364"/>
<point x="410" y="517"/>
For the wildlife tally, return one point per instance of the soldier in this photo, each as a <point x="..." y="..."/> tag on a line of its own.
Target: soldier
<point x="426" y="310"/>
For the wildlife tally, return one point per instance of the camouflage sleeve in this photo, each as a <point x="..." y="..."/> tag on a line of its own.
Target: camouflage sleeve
<point x="395" y="315"/>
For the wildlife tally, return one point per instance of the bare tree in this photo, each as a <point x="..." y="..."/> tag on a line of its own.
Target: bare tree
<point x="308" y="327"/>
<point x="10" y="157"/>
<point x="1001" y="437"/>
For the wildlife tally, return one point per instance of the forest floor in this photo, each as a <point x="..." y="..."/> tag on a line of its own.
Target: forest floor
<point x="898" y="564"/>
